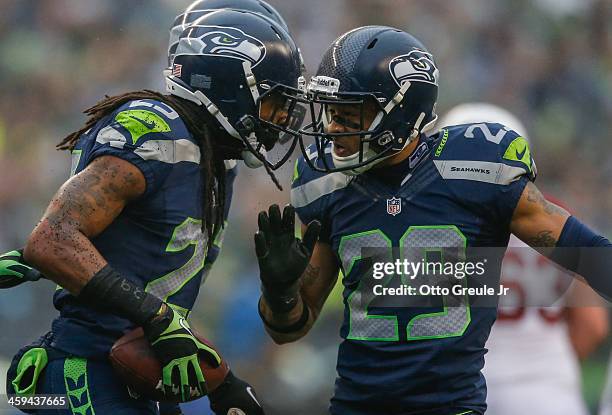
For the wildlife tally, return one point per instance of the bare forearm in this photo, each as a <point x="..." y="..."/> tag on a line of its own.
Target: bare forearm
<point x="588" y="328"/>
<point x="65" y="256"/>
<point x="587" y="319"/>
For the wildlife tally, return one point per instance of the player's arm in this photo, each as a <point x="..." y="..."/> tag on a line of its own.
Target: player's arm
<point x="297" y="276"/>
<point x="537" y="221"/>
<point x="319" y="279"/>
<point x="317" y="282"/>
<point x="552" y="231"/>
<point x="588" y="326"/>
<point x="61" y="247"/>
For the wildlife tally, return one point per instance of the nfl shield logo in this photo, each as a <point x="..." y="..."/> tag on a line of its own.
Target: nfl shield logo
<point x="394" y="206"/>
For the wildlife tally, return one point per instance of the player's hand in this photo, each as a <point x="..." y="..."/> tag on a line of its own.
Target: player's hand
<point x="282" y="257"/>
<point x="178" y="351"/>
<point x="234" y="396"/>
<point x="14" y="270"/>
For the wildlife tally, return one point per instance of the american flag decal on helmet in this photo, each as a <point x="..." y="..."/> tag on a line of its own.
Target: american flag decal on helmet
<point x="177" y="70"/>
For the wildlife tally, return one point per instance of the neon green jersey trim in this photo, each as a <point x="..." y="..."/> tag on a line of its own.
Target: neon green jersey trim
<point x="77" y="386"/>
<point x="442" y="144"/>
<point x="141" y="122"/>
<point x="518" y="150"/>
<point x="296" y="173"/>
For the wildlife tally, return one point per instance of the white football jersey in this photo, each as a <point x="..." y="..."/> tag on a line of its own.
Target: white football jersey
<point x="531" y="367"/>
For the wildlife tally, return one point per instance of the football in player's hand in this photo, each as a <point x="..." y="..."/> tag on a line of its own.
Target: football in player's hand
<point x="135" y="363"/>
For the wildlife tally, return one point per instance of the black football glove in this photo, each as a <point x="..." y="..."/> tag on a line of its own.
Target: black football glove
<point x="14" y="270"/>
<point x="282" y="257"/>
<point x="179" y="350"/>
<point x="234" y="396"/>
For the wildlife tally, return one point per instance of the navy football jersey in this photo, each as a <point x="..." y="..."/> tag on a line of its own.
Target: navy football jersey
<point x="458" y="189"/>
<point x="156" y="241"/>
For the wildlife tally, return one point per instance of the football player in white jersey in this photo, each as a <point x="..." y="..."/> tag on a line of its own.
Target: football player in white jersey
<point x="533" y="349"/>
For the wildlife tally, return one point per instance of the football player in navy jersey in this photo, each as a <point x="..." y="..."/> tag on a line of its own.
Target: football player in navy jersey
<point x="184" y="20"/>
<point x="374" y="179"/>
<point x="14" y="270"/>
<point x="126" y="237"/>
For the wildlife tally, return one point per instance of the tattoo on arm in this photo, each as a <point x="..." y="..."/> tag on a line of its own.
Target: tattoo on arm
<point x="544" y="239"/>
<point x="77" y="201"/>
<point x="92" y="197"/>
<point x="535" y="196"/>
<point x="60" y="245"/>
<point x="310" y="274"/>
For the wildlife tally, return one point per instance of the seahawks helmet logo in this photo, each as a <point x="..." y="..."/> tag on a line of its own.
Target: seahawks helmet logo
<point x="222" y="41"/>
<point x="417" y="65"/>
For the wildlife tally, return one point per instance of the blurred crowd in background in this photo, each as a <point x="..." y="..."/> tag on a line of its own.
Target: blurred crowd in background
<point x="548" y="61"/>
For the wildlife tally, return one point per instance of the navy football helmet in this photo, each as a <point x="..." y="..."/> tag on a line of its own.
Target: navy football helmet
<point x="199" y="8"/>
<point x="238" y="65"/>
<point x="371" y="67"/>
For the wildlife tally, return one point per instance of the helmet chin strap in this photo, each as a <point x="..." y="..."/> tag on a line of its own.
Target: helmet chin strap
<point x="430" y="125"/>
<point x="248" y="157"/>
<point x="251" y="81"/>
<point x="416" y="130"/>
<point x="370" y="154"/>
<point x="199" y="98"/>
<point x="346" y="161"/>
<point x="367" y="152"/>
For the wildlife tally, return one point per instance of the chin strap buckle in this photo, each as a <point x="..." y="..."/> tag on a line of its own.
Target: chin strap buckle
<point x="246" y="126"/>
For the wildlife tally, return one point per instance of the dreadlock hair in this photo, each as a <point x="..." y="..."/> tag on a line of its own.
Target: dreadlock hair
<point x="212" y="167"/>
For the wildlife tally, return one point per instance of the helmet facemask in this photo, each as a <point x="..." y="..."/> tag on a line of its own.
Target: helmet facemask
<point x="379" y="129"/>
<point x="280" y="113"/>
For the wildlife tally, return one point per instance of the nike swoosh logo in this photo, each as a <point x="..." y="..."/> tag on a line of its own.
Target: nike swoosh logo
<point x="250" y="392"/>
<point x="184" y="325"/>
<point x="521" y="154"/>
<point x="149" y="124"/>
